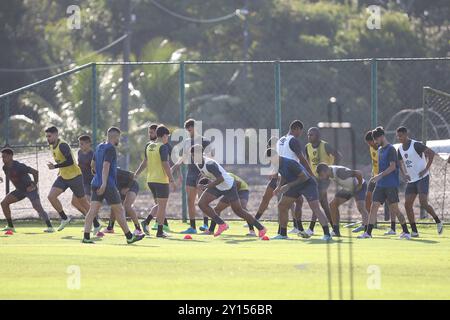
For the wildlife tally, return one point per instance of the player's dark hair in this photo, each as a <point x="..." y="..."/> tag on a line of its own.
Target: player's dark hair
<point x="296" y="124"/>
<point x="85" y="138"/>
<point x="113" y="129"/>
<point x="161" y="130"/>
<point x="8" y="150"/>
<point x="271" y="152"/>
<point x="203" y="181"/>
<point x="402" y="130"/>
<point x="189" y="123"/>
<point x="153" y="126"/>
<point x="321" y="167"/>
<point x="195" y="147"/>
<point x="369" y="135"/>
<point x="51" y="129"/>
<point x="378" y="132"/>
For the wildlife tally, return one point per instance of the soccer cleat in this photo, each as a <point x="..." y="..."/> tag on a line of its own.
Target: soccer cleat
<point x="262" y="233"/>
<point x="358" y="229"/>
<point x="189" y="230"/>
<point x="135" y="238"/>
<point x="440" y="227"/>
<point x="279" y="237"/>
<point x="49" y="230"/>
<point x="414" y="234"/>
<point x="88" y="241"/>
<point x="206" y="232"/>
<point x="9" y="229"/>
<point x="406" y="236"/>
<point x="96" y="230"/>
<point x="166" y="228"/>
<point x="138" y="232"/>
<point x="390" y="232"/>
<point x="99" y="234"/>
<point x="327" y="237"/>
<point x="155" y="226"/>
<point x="245" y="225"/>
<point x="64" y="223"/>
<point x="222" y="227"/>
<point x="251" y="233"/>
<point x="294" y="230"/>
<point x="364" y="235"/>
<point x="162" y="235"/>
<point x="334" y="234"/>
<point x="303" y="234"/>
<point x="204" y="227"/>
<point x="145" y="228"/>
<point x="106" y="230"/>
<point x="310" y="232"/>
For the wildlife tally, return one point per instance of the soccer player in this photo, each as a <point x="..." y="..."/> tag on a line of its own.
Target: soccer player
<point x="317" y="151"/>
<point x="294" y="182"/>
<point x="352" y="185"/>
<point x="19" y="174"/>
<point x="387" y="183"/>
<point x="415" y="162"/>
<point x="159" y="178"/>
<point x="85" y="156"/>
<point x="222" y="184"/>
<point x="243" y="194"/>
<point x="193" y="174"/>
<point x="69" y="176"/>
<point x="288" y="146"/>
<point x="104" y="187"/>
<point x="128" y="189"/>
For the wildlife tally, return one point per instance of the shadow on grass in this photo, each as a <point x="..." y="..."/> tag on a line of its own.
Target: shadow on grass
<point x="182" y="240"/>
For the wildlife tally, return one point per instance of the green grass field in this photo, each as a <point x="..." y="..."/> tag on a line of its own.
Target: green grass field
<point x="35" y="266"/>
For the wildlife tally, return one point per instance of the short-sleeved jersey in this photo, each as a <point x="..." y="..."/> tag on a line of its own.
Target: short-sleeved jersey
<point x="316" y="155"/>
<point x="84" y="162"/>
<point x="289" y="147"/>
<point x="68" y="172"/>
<point x="211" y="169"/>
<point x="156" y="153"/>
<point x="105" y="152"/>
<point x="386" y="155"/>
<point x="290" y="169"/>
<point x="344" y="178"/>
<point x="19" y="175"/>
<point x="124" y="178"/>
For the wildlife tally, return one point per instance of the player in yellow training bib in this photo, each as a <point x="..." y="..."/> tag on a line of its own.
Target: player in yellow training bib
<point x="69" y="176"/>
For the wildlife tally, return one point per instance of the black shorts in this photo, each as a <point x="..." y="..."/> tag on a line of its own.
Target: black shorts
<point x="133" y="188"/>
<point x="75" y="184"/>
<point x="273" y="183"/>
<point x="20" y="195"/>
<point x="371" y="187"/>
<point x="358" y="195"/>
<point x="421" y="186"/>
<point x="87" y="189"/>
<point x="243" y="196"/>
<point x="229" y="195"/>
<point x="308" y="189"/>
<point x="383" y="194"/>
<point x="111" y="195"/>
<point x="159" y="190"/>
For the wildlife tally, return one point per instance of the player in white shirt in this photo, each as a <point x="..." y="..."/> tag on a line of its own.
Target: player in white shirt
<point x="415" y="162"/>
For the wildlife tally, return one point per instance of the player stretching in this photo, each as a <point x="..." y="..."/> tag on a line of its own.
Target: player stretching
<point x="104" y="186"/>
<point x="352" y="186"/>
<point x="387" y="183"/>
<point x="221" y="184"/>
<point x="295" y="182"/>
<point x="19" y="174"/>
<point x="415" y="162"/>
<point x="193" y="175"/>
<point x="159" y="176"/>
<point x="69" y="176"/>
<point x="128" y="189"/>
<point x="317" y="151"/>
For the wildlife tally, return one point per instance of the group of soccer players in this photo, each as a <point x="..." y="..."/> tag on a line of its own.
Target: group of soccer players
<point x="298" y="173"/>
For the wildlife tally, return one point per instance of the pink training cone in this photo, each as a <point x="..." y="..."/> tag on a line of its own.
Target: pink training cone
<point x="187" y="237"/>
<point x="9" y="233"/>
<point x="265" y="238"/>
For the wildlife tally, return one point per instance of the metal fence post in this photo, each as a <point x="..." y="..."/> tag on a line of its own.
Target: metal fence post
<point x="278" y="96"/>
<point x="94" y="104"/>
<point x="374" y="92"/>
<point x="423" y="213"/>
<point x="7" y="133"/>
<point x="181" y="123"/>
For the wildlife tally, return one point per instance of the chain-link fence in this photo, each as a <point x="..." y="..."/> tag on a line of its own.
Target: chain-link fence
<point x="345" y="98"/>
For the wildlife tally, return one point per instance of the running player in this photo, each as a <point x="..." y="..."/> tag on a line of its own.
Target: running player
<point x="69" y="176"/>
<point x="352" y="185"/>
<point x="222" y="185"/>
<point x="317" y="151"/>
<point x="295" y="182"/>
<point x="85" y="156"/>
<point x="415" y="162"/>
<point x="19" y="174"/>
<point x="128" y="189"/>
<point x="104" y="187"/>
<point x="159" y="177"/>
<point x="243" y="194"/>
<point x="193" y="174"/>
<point x="387" y="183"/>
